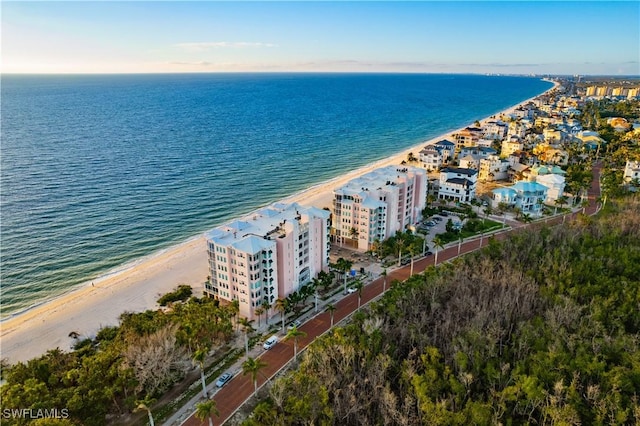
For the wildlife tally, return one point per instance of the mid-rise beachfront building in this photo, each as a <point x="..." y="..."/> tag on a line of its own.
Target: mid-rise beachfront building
<point x="468" y="136"/>
<point x="376" y="205"/>
<point x="267" y="255"/>
<point x="457" y="184"/>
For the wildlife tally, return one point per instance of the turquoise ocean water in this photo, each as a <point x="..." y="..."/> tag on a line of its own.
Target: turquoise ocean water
<point x="98" y="171"/>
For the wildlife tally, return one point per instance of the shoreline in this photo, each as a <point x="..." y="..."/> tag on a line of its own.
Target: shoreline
<point x="136" y="286"/>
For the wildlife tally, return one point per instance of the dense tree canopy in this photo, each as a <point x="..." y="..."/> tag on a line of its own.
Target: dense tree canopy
<point x="539" y="329"/>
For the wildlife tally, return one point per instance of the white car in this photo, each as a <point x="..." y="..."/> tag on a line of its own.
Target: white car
<point x="270" y="342"/>
<point x="295" y="324"/>
<point x="351" y="290"/>
<point x="223" y="380"/>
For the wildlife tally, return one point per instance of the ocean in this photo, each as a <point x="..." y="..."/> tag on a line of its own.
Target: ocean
<point x="98" y="171"/>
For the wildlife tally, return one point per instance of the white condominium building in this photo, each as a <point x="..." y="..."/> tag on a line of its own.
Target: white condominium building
<point x="376" y="205"/>
<point x="267" y="255"/>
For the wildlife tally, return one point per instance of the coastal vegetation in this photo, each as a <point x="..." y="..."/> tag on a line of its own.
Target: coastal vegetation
<point x="541" y="328"/>
<point x="125" y="367"/>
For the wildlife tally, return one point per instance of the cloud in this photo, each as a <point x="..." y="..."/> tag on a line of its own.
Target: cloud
<point x="202" y="46"/>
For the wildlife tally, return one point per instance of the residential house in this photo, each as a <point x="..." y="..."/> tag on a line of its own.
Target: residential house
<point x="468" y="136"/>
<point x="447" y="148"/>
<point x="511" y="145"/>
<point x="555" y="184"/>
<point x="493" y="168"/>
<point x="495" y="130"/>
<point x="526" y="196"/>
<point x="457" y="184"/>
<point x="431" y="158"/>
<point x="631" y="171"/>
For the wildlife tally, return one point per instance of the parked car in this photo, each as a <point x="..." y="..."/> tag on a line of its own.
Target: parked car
<point x="295" y="324"/>
<point x="351" y="290"/>
<point x="270" y="342"/>
<point x="436" y="218"/>
<point x="429" y="253"/>
<point x="222" y="380"/>
<point x="431" y="223"/>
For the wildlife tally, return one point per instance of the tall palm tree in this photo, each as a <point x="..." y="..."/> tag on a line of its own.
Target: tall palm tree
<point x="259" y="311"/>
<point x="400" y="242"/>
<point x="294" y="333"/>
<point x="344" y="266"/>
<point x="266" y="306"/>
<point x="331" y="309"/>
<point x="359" y="286"/>
<point x="281" y="306"/>
<point x="253" y="366"/>
<point x="247" y="328"/>
<point x="206" y="410"/>
<point x="460" y="239"/>
<point x="198" y="358"/>
<point x="384" y="280"/>
<point x="235" y="309"/>
<point x="414" y="249"/>
<point x="437" y="244"/>
<point x="145" y="405"/>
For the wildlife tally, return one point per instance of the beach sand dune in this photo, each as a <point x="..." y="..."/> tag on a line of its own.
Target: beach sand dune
<point x="135" y="289"/>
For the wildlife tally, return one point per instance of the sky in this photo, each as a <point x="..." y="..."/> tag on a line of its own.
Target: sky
<point x="505" y="37"/>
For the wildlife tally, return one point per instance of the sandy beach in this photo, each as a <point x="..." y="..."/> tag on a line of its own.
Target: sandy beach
<point x="98" y="304"/>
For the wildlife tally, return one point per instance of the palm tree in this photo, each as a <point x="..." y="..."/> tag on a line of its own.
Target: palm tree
<point x="459" y="243"/>
<point x="414" y="249"/>
<point x="266" y="306"/>
<point x="344" y="265"/>
<point x="353" y="233"/>
<point x="359" y="286"/>
<point x="294" y="333"/>
<point x="145" y="405"/>
<point x="584" y="204"/>
<point x="206" y="410"/>
<point x="331" y="309"/>
<point x="437" y="244"/>
<point x="235" y="309"/>
<point x="281" y="306"/>
<point x="526" y="218"/>
<point x="487" y="211"/>
<point x="400" y="242"/>
<point x="259" y="311"/>
<point x="246" y="328"/>
<point x="198" y="358"/>
<point x="561" y="201"/>
<point x="384" y="280"/>
<point x="253" y="366"/>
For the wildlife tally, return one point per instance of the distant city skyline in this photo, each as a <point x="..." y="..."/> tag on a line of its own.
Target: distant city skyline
<point x="503" y="37"/>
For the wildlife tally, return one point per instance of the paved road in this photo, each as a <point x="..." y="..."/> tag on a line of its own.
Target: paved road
<point x="240" y="388"/>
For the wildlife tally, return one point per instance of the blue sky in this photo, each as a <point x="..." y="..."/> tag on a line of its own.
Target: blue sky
<point x="578" y="37"/>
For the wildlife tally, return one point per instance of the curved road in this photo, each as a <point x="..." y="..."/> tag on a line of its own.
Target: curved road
<point x="240" y="388"/>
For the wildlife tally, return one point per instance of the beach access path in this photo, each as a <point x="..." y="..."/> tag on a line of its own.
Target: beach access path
<point x="99" y="304"/>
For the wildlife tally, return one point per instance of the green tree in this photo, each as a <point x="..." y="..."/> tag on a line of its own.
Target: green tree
<point x="437" y="244"/>
<point x="282" y="306"/>
<point x="198" y="358"/>
<point x="253" y="366"/>
<point x="294" y="334"/>
<point x="145" y="405"/>
<point x="206" y="410"/>
<point x="331" y="309"/>
<point x="247" y="327"/>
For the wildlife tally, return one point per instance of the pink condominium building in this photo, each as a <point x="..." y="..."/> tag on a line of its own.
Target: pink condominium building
<point x="267" y="255"/>
<point x="376" y="205"/>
